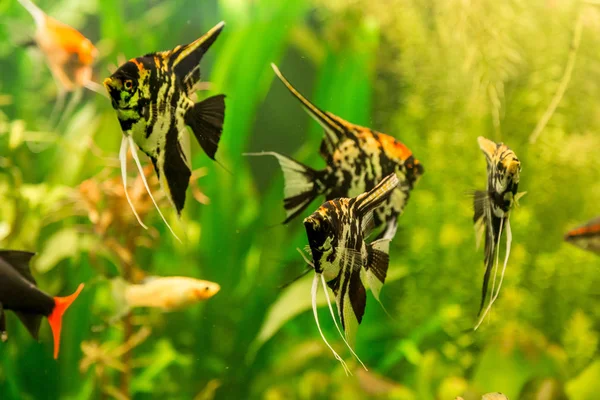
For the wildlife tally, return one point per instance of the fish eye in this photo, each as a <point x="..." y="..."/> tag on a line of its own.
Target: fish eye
<point x="206" y="288"/>
<point x="128" y="84"/>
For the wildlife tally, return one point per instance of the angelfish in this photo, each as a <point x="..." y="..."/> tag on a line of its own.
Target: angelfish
<point x="357" y="159"/>
<point x="152" y="97"/>
<point x="491" y="211"/>
<point x="586" y="236"/>
<point x="343" y="261"/>
<point x="19" y="293"/>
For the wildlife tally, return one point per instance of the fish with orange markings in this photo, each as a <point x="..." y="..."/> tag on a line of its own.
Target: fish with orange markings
<point x="357" y="157"/>
<point x="152" y="96"/>
<point x="343" y="261"/>
<point x="69" y="55"/>
<point x="167" y="293"/>
<point x="586" y="236"/>
<point x="19" y="293"/>
<point x="491" y="212"/>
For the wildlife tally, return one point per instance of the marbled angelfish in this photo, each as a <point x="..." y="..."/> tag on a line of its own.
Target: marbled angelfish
<point x="357" y="159"/>
<point x="151" y="95"/>
<point x="343" y="260"/>
<point x="491" y="211"/>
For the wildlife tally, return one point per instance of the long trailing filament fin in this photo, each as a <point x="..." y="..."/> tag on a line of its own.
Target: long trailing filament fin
<point x="38" y="15"/>
<point x="336" y="324"/>
<point x="123" y="159"/>
<point x="508" y="245"/>
<point x="315" y="287"/>
<point x="492" y="296"/>
<point x="141" y="170"/>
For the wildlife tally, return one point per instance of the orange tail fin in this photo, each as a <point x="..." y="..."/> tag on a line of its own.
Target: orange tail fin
<point x="55" y="319"/>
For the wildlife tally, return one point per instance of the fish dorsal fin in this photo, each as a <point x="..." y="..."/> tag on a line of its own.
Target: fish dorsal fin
<point x="487" y="146"/>
<point x="19" y="260"/>
<point x="185" y="60"/>
<point x="334" y="131"/>
<point x="32" y="323"/>
<point x="366" y="202"/>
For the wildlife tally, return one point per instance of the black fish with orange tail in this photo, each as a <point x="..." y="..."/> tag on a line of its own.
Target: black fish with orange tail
<point x="19" y="293"/>
<point x="357" y="159"/>
<point x="152" y="97"/>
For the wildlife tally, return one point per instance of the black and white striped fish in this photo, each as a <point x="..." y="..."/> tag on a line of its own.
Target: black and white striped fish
<point x="341" y="258"/>
<point x="151" y="95"/>
<point x="357" y="159"/>
<point x="491" y="211"/>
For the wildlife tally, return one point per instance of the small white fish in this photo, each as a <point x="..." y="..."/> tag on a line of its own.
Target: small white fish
<point x="167" y="293"/>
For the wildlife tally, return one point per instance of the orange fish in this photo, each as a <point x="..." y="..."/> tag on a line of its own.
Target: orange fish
<point x="69" y="55"/>
<point x="586" y="236"/>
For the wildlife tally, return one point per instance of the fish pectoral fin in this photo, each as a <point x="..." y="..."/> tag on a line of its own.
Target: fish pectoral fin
<point x="175" y="174"/>
<point x="32" y="322"/>
<point x="518" y="197"/>
<point x="19" y="260"/>
<point x="479" y="204"/>
<point x="206" y="121"/>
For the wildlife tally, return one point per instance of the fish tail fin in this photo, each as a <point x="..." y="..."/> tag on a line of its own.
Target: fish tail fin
<point x="38" y="15"/>
<point x="61" y="304"/>
<point x="367" y="202"/>
<point x="302" y="184"/>
<point x="118" y="287"/>
<point x="333" y="130"/>
<point x="206" y="120"/>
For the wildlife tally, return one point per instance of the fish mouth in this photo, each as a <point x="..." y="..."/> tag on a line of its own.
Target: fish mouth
<point x="108" y="83"/>
<point x="418" y="170"/>
<point x="112" y="90"/>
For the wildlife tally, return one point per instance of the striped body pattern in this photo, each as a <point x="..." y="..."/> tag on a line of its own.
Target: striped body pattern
<point x="361" y="159"/>
<point x="342" y="259"/>
<point x="492" y="208"/>
<point x="586" y="236"/>
<point x="357" y="159"/>
<point x="152" y="98"/>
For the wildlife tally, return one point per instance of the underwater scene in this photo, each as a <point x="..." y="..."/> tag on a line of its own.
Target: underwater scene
<point x="300" y="199"/>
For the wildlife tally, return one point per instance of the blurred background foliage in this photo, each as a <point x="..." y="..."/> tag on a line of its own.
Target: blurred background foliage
<point x="434" y="74"/>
